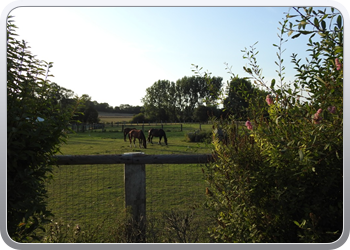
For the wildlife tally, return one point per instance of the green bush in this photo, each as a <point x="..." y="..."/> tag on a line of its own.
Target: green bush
<point x="139" y="118"/>
<point x="280" y="179"/>
<point x="199" y="136"/>
<point x="37" y="118"/>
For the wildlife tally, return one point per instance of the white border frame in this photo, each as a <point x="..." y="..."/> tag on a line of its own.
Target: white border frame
<point x="106" y="3"/>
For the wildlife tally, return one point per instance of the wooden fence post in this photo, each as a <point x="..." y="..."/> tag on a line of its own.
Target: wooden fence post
<point x="135" y="194"/>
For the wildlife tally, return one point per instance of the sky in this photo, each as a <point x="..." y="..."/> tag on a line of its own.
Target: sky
<point x="113" y="54"/>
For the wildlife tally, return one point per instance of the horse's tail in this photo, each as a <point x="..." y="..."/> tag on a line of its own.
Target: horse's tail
<point x="143" y="139"/>
<point x="165" y="139"/>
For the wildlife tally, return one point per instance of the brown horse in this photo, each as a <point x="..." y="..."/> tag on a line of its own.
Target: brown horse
<point x="126" y="131"/>
<point x="134" y="133"/>
<point x="157" y="133"/>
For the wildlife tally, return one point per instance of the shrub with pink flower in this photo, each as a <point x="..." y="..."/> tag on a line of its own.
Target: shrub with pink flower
<point x="316" y="118"/>
<point x="338" y="64"/>
<point x="269" y="100"/>
<point x="249" y="125"/>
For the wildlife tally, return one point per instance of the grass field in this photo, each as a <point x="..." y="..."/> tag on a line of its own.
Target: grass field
<point x="114" y="117"/>
<point x="88" y="195"/>
<point x="111" y="141"/>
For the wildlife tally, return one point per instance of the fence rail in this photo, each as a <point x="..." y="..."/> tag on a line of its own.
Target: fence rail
<point x="132" y="158"/>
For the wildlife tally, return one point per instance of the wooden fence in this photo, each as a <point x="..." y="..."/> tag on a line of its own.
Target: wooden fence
<point x="134" y="173"/>
<point x="84" y="127"/>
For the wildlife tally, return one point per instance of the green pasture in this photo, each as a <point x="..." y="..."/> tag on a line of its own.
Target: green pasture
<point x="93" y="195"/>
<point x="111" y="140"/>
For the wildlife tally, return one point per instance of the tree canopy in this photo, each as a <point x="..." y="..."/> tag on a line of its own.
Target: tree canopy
<point x="166" y="100"/>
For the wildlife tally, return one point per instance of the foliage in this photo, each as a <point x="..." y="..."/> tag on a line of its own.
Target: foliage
<point x="38" y="113"/>
<point x="236" y="103"/>
<point x="280" y="179"/>
<point x="199" y="136"/>
<point x="202" y="113"/>
<point x="139" y="118"/>
<point x="86" y="112"/>
<point x="123" y="108"/>
<point x="158" y="101"/>
<point x="169" y="101"/>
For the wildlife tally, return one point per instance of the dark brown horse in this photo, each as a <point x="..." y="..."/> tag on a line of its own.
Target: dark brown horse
<point x="157" y="133"/>
<point x="126" y="131"/>
<point x="134" y="133"/>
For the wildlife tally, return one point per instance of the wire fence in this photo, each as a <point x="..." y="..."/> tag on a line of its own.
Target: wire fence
<point x="90" y="195"/>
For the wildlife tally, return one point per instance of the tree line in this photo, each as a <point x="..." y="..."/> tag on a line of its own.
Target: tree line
<point x="191" y="98"/>
<point x="86" y="110"/>
<point x="194" y="99"/>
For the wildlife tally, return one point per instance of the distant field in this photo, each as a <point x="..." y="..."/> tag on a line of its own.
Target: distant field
<point x="114" y="117"/>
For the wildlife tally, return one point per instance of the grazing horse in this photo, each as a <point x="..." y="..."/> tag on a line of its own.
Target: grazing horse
<point x="157" y="133"/>
<point x="126" y="131"/>
<point x="134" y="133"/>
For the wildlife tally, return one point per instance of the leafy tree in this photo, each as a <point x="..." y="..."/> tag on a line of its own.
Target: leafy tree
<point x="195" y="91"/>
<point x="157" y="102"/>
<point x="281" y="179"/>
<point x="166" y="100"/>
<point x="102" y="107"/>
<point x="86" y="112"/>
<point x="203" y="113"/>
<point x="236" y="102"/>
<point x="38" y="113"/>
<point x="139" y="118"/>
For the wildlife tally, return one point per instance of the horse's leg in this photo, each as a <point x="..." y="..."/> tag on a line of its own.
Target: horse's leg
<point x="160" y="138"/>
<point x="130" y="140"/>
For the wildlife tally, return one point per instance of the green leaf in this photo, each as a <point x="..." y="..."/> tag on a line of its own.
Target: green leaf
<point x="296" y="36"/>
<point x="301" y="154"/>
<point x="273" y="81"/>
<point x="248" y="70"/>
<point x="339" y="21"/>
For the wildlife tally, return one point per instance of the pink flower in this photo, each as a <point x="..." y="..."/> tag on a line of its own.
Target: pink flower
<point x="269" y="100"/>
<point x="338" y="64"/>
<point x="331" y="109"/>
<point x="316" y="118"/>
<point x="249" y="125"/>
